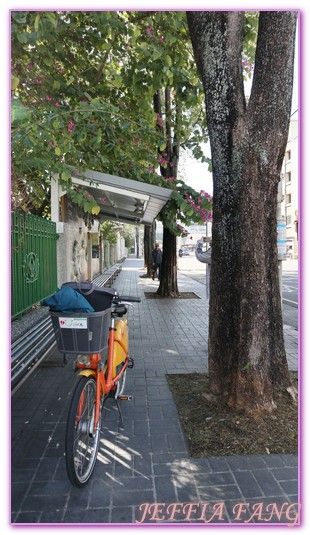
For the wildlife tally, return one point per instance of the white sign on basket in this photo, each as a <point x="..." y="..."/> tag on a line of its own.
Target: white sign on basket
<point x="73" y="323"/>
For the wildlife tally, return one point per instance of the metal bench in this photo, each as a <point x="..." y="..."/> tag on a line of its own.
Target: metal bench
<point x="108" y="276"/>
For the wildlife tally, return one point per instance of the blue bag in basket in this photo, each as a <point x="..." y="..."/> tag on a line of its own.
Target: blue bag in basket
<point x="68" y="301"/>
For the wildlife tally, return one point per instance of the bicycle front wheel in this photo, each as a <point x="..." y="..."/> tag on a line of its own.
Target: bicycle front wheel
<point x="82" y="439"/>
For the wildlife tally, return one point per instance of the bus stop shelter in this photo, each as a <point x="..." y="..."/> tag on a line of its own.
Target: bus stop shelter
<point x="120" y="199"/>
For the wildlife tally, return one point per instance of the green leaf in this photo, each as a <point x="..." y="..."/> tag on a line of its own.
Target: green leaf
<point x="64" y="175"/>
<point x="51" y="17"/>
<point x="14" y="82"/>
<point x="136" y="32"/>
<point x="162" y="147"/>
<point x="57" y="151"/>
<point x="48" y="61"/>
<point x="37" y="23"/>
<point x="87" y="206"/>
<point x="70" y="80"/>
<point x="169" y="60"/>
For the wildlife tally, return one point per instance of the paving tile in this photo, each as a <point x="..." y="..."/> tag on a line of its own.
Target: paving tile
<point x="27" y="518"/>
<point x="267" y="482"/>
<point x="122" y="515"/>
<point x="283" y="474"/>
<point x="87" y="516"/>
<point x="165" y="489"/>
<point x="245" y="462"/>
<point x="134" y="497"/>
<point x="222" y="492"/>
<point x="247" y="484"/>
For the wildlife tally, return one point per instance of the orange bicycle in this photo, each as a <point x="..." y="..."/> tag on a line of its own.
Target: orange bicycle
<point x="87" y="336"/>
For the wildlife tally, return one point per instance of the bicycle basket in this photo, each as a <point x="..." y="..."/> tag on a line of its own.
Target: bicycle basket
<point x="98" y="297"/>
<point x="81" y="333"/>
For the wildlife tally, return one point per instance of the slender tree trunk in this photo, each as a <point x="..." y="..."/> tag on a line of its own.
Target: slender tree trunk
<point x="246" y="343"/>
<point x="149" y="244"/>
<point x="168" y="286"/>
<point x="168" y="276"/>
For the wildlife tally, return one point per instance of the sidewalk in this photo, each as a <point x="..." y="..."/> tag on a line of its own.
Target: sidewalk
<point x="147" y="462"/>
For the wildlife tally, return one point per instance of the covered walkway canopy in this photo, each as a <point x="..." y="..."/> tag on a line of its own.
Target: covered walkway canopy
<point x="120" y="199"/>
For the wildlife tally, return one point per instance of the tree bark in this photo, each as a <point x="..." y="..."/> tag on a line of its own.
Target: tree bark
<point x="168" y="286"/>
<point x="246" y="343"/>
<point x="149" y="244"/>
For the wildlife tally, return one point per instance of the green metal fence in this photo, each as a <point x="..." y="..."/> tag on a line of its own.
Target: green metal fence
<point x="34" y="264"/>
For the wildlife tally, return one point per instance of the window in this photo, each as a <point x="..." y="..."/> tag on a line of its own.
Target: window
<point x="287" y="155"/>
<point x="288" y="219"/>
<point x="288" y="199"/>
<point x="288" y="178"/>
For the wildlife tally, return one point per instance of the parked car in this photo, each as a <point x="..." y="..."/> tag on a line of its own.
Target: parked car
<point x="184" y="251"/>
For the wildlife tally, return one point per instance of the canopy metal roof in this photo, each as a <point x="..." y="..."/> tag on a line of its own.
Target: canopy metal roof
<point x="122" y="199"/>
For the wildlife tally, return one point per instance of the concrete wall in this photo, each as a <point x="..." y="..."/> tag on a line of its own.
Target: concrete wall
<point x="81" y="254"/>
<point x="74" y="253"/>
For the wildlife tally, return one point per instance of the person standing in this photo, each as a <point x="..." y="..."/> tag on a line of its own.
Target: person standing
<point x="157" y="258"/>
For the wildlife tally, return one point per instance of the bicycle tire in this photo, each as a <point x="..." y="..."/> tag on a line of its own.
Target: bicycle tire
<point x="82" y="441"/>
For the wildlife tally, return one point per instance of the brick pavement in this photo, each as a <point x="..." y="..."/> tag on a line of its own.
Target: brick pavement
<point x="147" y="461"/>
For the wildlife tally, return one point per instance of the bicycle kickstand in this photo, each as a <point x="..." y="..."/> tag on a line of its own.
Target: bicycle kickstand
<point x="119" y="412"/>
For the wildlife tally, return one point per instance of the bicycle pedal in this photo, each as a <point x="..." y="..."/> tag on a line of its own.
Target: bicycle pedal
<point x="125" y="398"/>
<point x="130" y="363"/>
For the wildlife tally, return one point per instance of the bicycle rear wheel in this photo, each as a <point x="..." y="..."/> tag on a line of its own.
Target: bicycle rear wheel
<point x="82" y="440"/>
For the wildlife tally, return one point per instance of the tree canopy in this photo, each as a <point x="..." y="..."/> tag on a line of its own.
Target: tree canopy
<point x="83" y="87"/>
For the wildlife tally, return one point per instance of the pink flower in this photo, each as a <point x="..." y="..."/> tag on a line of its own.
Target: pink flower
<point x="52" y="144"/>
<point x="204" y="215"/>
<point x="57" y="103"/>
<point x="70" y="126"/>
<point x="48" y="98"/>
<point x="161" y="38"/>
<point x="149" y="30"/>
<point x="136" y="139"/>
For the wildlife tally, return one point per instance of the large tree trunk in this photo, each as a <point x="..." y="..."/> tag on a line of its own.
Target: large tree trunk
<point x="168" y="286"/>
<point x="246" y="344"/>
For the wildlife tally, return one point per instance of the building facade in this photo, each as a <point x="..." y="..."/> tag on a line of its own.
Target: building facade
<point x="290" y="174"/>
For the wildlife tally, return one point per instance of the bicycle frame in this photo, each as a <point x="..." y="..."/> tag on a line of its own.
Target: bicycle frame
<point x="105" y="375"/>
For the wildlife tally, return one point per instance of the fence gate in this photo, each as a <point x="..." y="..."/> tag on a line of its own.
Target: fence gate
<point x="34" y="265"/>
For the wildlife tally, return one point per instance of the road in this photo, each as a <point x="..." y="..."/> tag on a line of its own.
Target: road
<point x="190" y="266"/>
